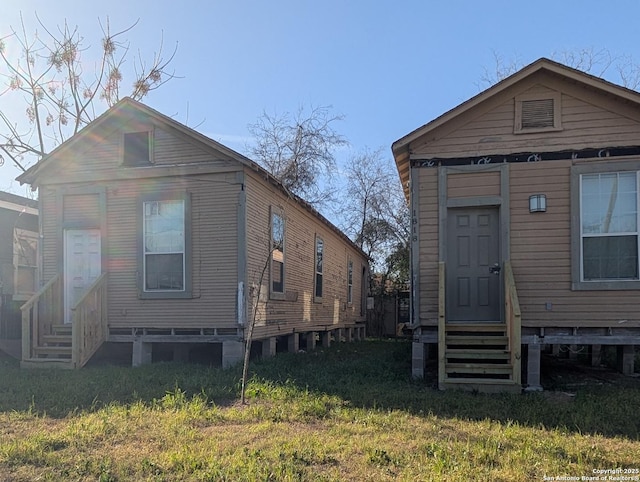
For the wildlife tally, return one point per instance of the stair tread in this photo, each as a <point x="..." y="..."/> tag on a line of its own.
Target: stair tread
<point x="475" y="327"/>
<point x="479" y="368"/>
<point x="61" y="327"/>
<point x="47" y="363"/>
<point x="52" y="349"/>
<point x="494" y="381"/>
<point x="479" y="355"/>
<point x="476" y="340"/>
<point x="56" y="338"/>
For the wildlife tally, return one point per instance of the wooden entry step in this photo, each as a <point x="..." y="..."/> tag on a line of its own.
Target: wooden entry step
<point x="476" y="356"/>
<point x="478" y="368"/>
<point x="54" y="350"/>
<point x="61" y="329"/>
<point x="61" y="352"/>
<point x="481" y="354"/>
<point x="487" y="340"/>
<point x="476" y="327"/>
<point x="56" y="340"/>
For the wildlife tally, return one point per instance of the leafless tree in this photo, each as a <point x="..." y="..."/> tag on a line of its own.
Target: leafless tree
<point x="501" y="69"/>
<point x="622" y="69"/>
<point x="378" y="217"/>
<point x="299" y="150"/>
<point x="47" y="74"/>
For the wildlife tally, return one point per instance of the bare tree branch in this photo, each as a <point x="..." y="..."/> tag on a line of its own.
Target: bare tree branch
<point x="60" y="92"/>
<point x="378" y="218"/>
<point x="299" y="150"/>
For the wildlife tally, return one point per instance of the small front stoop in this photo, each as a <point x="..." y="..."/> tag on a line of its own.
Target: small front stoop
<point x="54" y="350"/>
<point x="477" y="357"/>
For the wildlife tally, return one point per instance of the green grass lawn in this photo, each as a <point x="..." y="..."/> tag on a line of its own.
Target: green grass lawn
<point x="350" y="412"/>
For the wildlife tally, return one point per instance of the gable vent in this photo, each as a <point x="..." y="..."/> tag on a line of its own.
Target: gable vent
<point x="537" y="113"/>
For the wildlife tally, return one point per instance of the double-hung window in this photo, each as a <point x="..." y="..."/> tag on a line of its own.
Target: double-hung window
<point x="164" y="256"/>
<point x="25" y="249"/>
<point x="277" y="253"/>
<point x="319" y="267"/>
<point x="608" y="230"/>
<point x="350" y="281"/>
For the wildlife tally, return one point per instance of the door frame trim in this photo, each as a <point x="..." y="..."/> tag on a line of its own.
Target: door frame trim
<point x="98" y="221"/>
<point x="501" y="202"/>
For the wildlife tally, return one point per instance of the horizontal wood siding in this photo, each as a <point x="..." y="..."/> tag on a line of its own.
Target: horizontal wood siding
<point x="589" y="120"/>
<point x="171" y="148"/>
<point x="428" y="249"/>
<point x="214" y="255"/>
<point x="49" y="218"/>
<point x="102" y="154"/>
<point x="299" y="312"/>
<point x="540" y="243"/>
<point x="81" y="209"/>
<point x="461" y="185"/>
<point x="541" y="256"/>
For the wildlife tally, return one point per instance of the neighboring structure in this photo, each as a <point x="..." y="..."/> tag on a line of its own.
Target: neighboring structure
<point x="158" y="238"/>
<point x="535" y="180"/>
<point x="18" y="264"/>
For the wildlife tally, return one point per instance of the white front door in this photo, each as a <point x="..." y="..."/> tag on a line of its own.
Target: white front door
<point x="82" y="265"/>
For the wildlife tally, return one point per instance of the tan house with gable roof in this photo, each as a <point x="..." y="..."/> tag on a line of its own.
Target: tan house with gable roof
<point x="525" y="204"/>
<point x="155" y="239"/>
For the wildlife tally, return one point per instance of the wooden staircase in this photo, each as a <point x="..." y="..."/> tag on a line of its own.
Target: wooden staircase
<point x="480" y="356"/>
<point x="48" y="343"/>
<point x="57" y="346"/>
<point x="477" y="357"/>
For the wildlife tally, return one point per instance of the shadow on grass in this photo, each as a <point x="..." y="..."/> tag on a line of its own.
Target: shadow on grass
<point x="372" y="374"/>
<point x="376" y="374"/>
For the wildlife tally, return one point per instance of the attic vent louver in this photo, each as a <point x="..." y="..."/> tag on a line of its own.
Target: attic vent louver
<point x="537" y="113"/>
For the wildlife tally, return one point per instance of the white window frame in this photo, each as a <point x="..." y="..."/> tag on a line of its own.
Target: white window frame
<point x="277" y="256"/>
<point x="577" y="265"/>
<point x="146" y="254"/>
<point x="20" y="233"/>
<point x="349" y="281"/>
<point x="318" y="278"/>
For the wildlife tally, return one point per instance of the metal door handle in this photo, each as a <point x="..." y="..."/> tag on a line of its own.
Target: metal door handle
<point x="495" y="269"/>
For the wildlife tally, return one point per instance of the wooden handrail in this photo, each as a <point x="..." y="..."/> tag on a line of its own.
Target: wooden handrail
<point x="29" y="303"/>
<point x="441" y="324"/>
<point x="513" y="321"/>
<point x="39" y="313"/>
<point x="89" y="322"/>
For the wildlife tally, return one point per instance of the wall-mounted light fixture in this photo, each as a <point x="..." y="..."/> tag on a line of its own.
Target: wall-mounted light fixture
<point x="538" y="203"/>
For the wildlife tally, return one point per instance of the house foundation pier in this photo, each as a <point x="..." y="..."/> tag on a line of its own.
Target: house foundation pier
<point x="596" y="355"/>
<point x="533" y="368"/>
<point x="418" y="359"/>
<point x="326" y="339"/>
<point x="232" y="353"/>
<point x="293" y="343"/>
<point x="141" y="353"/>
<point x="626" y="358"/>
<point x="311" y="340"/>
<point x="269" y="347"/>
<point x="348" y="334"/>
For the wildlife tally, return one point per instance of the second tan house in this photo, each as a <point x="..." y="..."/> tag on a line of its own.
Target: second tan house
<point x="525" y="206"/>
<point x="159" y="241"/>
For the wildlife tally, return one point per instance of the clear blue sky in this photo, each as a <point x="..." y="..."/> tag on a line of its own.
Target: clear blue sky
<point x="388" y="66"/>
